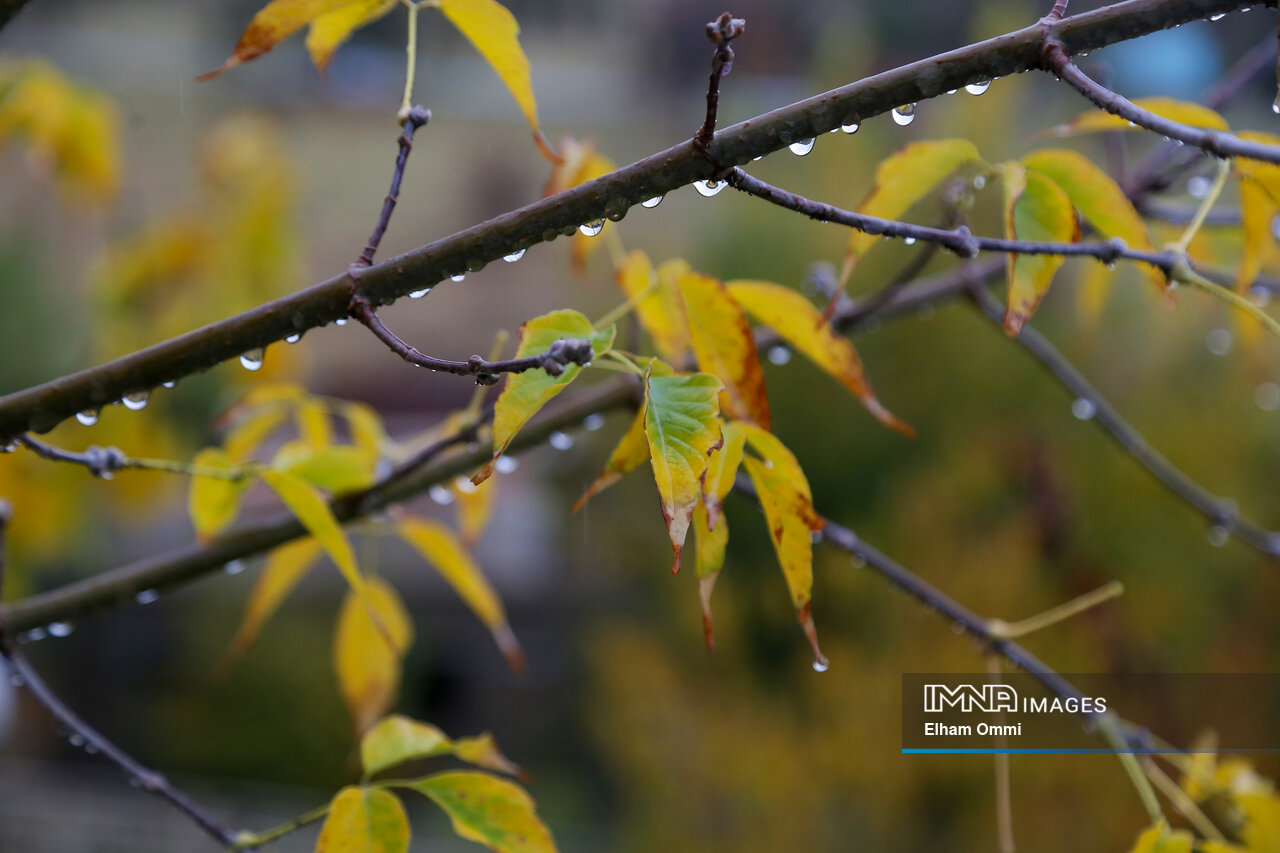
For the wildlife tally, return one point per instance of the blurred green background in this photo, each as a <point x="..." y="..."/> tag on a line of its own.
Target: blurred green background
<point x="637" y="738"/>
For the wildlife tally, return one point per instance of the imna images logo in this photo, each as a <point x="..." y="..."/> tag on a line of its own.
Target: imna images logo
<point x="967" y="698"/>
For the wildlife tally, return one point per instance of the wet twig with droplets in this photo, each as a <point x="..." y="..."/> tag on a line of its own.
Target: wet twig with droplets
<point x="721" y="32"/>
<point x="413" y="119"/>
<point x="144" y="778"/>
<point x="103" y="462"/>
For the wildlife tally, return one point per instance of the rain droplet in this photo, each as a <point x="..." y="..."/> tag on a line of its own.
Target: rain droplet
<point x="904" y="115"/>
<point x="910" y="241"/>
<point x="147" y="596"/>
<point x="1083" y="409"/>
<point x="710" y="187"/>
<point x="464" y="485"/>
<point x="1198" y="186"/>
<point x="35" y="635"/>
<point x="560" y="440"/>
<point x="801" y="148"/>
<point x="418" y="294"/>
<point x="591" y="229"/>
<point x="952" y="91"/>
<point x="651" y="203"/>
<point x="779" y="355"/>
<point x="757" y="158"/>
<point x="440" y="495"/>
<point x="1219" y="341"/>
<point x="514" y="256"/>
<point x="171" y="384"/>
<point x="977" y="87"/>
<point x="859" y="561"/>
<point x="979" y="181"/>
<point x="459" y="277"/>
<point x="850" y="127"/>
<point x="234" y="567"/>
<point x="1275" y="105"/>
<point x="1219" y="535"/>
<point x="1218" y="17"/>
<point x="76" y="740"/>
<point x="136" y="402"/>
<point x="1267" y="396"/>
<point x="252" y="360"/>
<point x="820" y="666"/>
<point x="60" y="629"/>
<point x="506" y="464"/>
<point x="88" y="417"/>
<point x="341" y="321"/>
<point x="294" y="338"/>
<point x="593" y="422"/>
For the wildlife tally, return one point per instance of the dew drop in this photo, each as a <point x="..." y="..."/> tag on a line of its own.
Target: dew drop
<point x="820" y="666"/>
<point x="757" y="158"/>
<point x="952" y="91"/>
<point x="977" y="87"/>
<point x="1218" y="17"/>
<point x="904" y="115"/>
<point x="801" y="148"/>
<point x="60" y="629"/>
<point x="1267" y="396"/>
<point x="1198" y="186"/>
<point x="779" y="355"/>
<point x="850" y="127"/>
<point x="88" y="417"/>
<point x="1275" y="105"/>
<point x="514" y="256"/>
<point x="76" y="740"/>
<point x="136" y="402"/>
<point x="859" y="561"/>
<point x="910" y="241"/>
<point x="1083" y="409"/>
<point x="35" y="635"/>
<point x="234" y="567"/>
<point x="593" y="422"/>
<point x="294" y="338"/>
<point x="170" y="385"/>
<point x="440" y="495"/>
<point x="147" y="596"/>
<point x="91" y="749"/>
<point x="341" y="321"/>
<point x="591" y="229"/>
<point x="506" y="464"/>
<point x="651" y="203"/>
<point x="252" y="360"/>
<point x="979" y="181"/>
<point x="1219" y="535"/>
<point x="710" y="187"/>
<point x="418" y="294"/>
<point x="459" y="277"/>
<point x="8" y="447"/>
<point x="1219" y="341"/>
<point x="560" y="440"/>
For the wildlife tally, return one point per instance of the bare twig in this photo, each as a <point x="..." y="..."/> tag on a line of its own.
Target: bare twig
<point x="721" y="31"/>
<point x="103" y="462"/>
<point x="1059" y="9"/>
<point x="415" y="118"/>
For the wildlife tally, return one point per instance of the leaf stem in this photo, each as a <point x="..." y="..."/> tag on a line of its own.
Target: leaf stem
<point x="412" y="50"/>
<point x="626" y="307"/>
<point x="1111" y="731"/>
<point x="1054" y="615"/>
<point x="1219" y="181"/>
<point x="1185" y="274"/>
<point x="249" y="840"/>
<point x="631" y="366"/>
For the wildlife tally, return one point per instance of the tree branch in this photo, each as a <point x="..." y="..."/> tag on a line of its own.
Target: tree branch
<point x="9" y="8"/>
<point x="41" y="408"/>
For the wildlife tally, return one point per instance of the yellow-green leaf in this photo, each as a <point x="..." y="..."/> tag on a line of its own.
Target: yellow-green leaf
<point x="338" y="468"/>
<point x="1159" y="839"/>
<point x="367" y="653"/>
<point x="364" y="820"/>
<point x="275" y="22"/>
<point x="489" y="810"/>
<point x="1259" y="205"/>
<point x="660" y="313"/>
<point x="1036" y="209"/>
<point x="328" y="32"/>
<point x="778" y="457"/>
<point x="436" y="544"/>
<point x="709" y="544"/>
<point x="908" y="176"/>
<point x="482" y="751"/>
<point x="632" y="452"/>
<point x="803" y="327"/>
<point x="311" y="509"/>
<point x="214" y="502"/>
<point x="366" y="428"/>
<point x="682" y="424"/>
<point x="397" y="739"/>
<point x="722" y="469"/>
<point x="314" y="426"/>
<point x="525" y="393"/>
<point x="286" y="566"/>
<point x="475" y="506"/>
<point x="724" y="346"/>
<point x="1183" y="112"/>
<point x="252" y="430"/>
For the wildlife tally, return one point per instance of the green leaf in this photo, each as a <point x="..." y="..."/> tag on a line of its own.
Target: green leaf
<point x="1036" y="209"/>
<point x="489" y="810"/>
<point x="338" y="468"/>
<point x="214" y="502"/>
<point x="311" y="509"/>
<point x="397" y="739"/>
<point x="364" y="820"/>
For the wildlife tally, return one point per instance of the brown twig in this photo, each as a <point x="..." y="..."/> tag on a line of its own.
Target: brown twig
<point x="1059" y="9"/>
<point x="415" y="118"/>
<point x="721" y="32"/>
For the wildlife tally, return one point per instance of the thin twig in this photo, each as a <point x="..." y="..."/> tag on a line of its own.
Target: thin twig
<point x="414" y="118"/>
<point x="103" y="462"/>
<point x="721" y="31"/>
<point x="1059" y="9"/>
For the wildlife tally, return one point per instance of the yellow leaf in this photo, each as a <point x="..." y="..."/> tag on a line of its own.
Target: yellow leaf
<point x="492" y="811"/>
<point x="1093" y="288"/>
<point x="313" y="512"/>
<point x="252" y="430"/>
<point x="314" y="426"/>
<point x="1036" y="209"/>
<point x="1159" y="839"/>
<point x="338" y="468"/>
<point x="803" y="327"/>
<point x="660" y="313"/>
<point x="778" y="457"/>
<point x="493" y="31"/>
<point x="475" y="506"/>
<point x="682" y="424"/>
<point x="329" y="31"/>
<point x="709" y="545"/>
<point x="482" y="751"/>
<point x="789" y="513"/>
<point x="724" y="346"/>
<point x="366" y="654"/>
<point x="722" y="470"/>
<point x="275" y="22"/>
<point x="1182" y="112"/>
<point x="397" y="739"/>
<point x="436" y="544"/>
<point x="1261" y="832"/>
<point x="286" y="566"/>
<point x="632" y="452"/>
<point x="908" y="176"/>
<point x="214" y="502"/>
<point x="366" y="428"/>
<point x="579" y="162"/>
<point x="525" y="393"/>
<point x="364" y="820"/>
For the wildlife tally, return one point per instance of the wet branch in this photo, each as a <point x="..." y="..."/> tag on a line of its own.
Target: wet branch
<point x="721" y="32"/>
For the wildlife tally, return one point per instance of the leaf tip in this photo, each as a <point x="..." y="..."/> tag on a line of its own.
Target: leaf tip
<point x="677" y="551"/>
<point x="805" y="617"/>
<point x="511" y="650"/>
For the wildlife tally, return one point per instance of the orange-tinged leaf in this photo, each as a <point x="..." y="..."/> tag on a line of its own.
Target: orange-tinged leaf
<point x="337" y="469"/>
<point x="436" y="544"/>
<point x="525" y="393"/>
<point x="709" y="544"/>
<point x="908" y="176"/>
<point x="312" y="511"/>
<point x="724" y="346"/>
<point x="367" y="653"/>
<point x="579" y="162"/>
<point x="493" y="31"/>
<point x="632" y="452"/>
<point x="492" y="811"/>
<point x="214" y="502"/>
<point x="682" y="424"/>
<point x="329" y="31"/>
<point x="286" y="566"/>
<point x="1098" y="198"/>
<point x="789" y="513"/>
<point x="396" y="739"/>
<point x="1183" y="112"/>
<point x="795" y="318"/>
<point x="1036" y="209"/>
<point x="475" y="506"/>
<point x="275" y="22"/>
<point x="364" y="820"/>
<point x="661" y="313"/>
<point x="722" y="469"/>
<point x="482" y="751"/>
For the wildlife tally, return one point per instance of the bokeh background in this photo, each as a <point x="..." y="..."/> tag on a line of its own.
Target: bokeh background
<point x="637" y="738"/>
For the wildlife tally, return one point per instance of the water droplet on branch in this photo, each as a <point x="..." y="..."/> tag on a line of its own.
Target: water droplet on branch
<point x="904" y="115"/>
<point x="147" y="596"/>
<point x="252" y="360"/>
<point x="88" y="417"/>
<point x="779" y="355"/>
<point x="977" y="87"/>
<point x="802" y="147"/>
<point x="459" y="277"/>
<point x="294" y="338"/>
<point x="591" y="229"/>
<point x="234" y="567"/>
<point x="1219" y="535"/>
<point x="710" y="187"/>
<point x="560" y="440"/>
<point x="418" y="294"/>
<point x="850" y="127"/>
<point x="506" y="464"/>
<point x="514" y="256"/>
<point x="1084" y="409"/>
<point x="60" y="629"/>
<point x="910" y="241"/>
<point x="651" y="203"/>
<point x="821" y="666"/>
<point x="136" y="402"/>
<point x="593" y="422"/>
<point x="440" y="495"/>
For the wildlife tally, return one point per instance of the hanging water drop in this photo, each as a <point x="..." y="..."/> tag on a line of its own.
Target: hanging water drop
<point x="977" y="87"/>
<point x="779" y="355"/>
<point x="952" y="91"/>
<point x="850" y="127"/>
<point x="910" y="241"/>
<point x="904" y="115"/>
<point x="341" y="321"/>
<point x="294" y="338"/>
<point x="592" y="228"/>
<point x="147" y="596"/>
<point x="1219" y="535"/>
<point x="88" y="417"/>
<point x="35" y="635"/>
<point x="418" y="294"/>
<point x="170" y="385"/>
<point x="858" y="561"/>
<point x="506" y="464"/>
<point x="459" y="277"/>
<point x="440" y="495"/>
<point x="710" y="187"/>
<point x="593" y="422"/>
<point x="76" y="740"/>
<point x="651" y="203"/>
<point x="514" y="256"/>
<point x="233" y="567"/>
<point x="802" y="147"/>
<point x="820" y="665"/>
<point x="979" y="181"/>
<point x="60" y="629"/>
<point x="1083" y="409"/>
<point x="1219" y="341"/>
<point x="9" y="447"/>
<point x="136" y="402"/>
<point x="1198" y="186"/>
<point x="1218" y="17"/>
<point x="1267" y="396"/>
<point x="560" y="440"/>
<point x="252" y="360"/>
<point x="1275" y="105"/>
